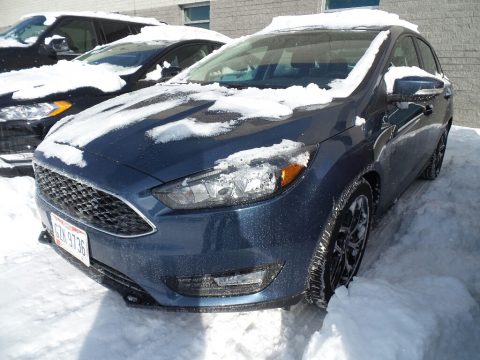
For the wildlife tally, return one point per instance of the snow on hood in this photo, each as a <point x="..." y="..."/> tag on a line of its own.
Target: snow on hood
<point x="62" y="77"/>
<point x="51" y="16"/>
<point x="398" y="72"/>
<point x="270" y="104"/>
<point x="173" y="33"/>
<point x="345" y="19"/>
<point x="289" y="150"/>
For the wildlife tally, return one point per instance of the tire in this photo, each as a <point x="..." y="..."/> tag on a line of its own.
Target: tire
<point x="341" y="247"/>
<point x="434" y="165"/>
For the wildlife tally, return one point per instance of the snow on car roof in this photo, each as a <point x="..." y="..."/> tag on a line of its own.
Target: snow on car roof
<point x="166" y="32"/>
<point x="52" y="16"/>
<point x="345" y="19"/>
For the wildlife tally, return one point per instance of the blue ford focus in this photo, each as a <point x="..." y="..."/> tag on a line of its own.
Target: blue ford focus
<point x="252" y="179"/>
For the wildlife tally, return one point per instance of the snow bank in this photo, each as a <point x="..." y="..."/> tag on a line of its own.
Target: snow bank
<point x="51" y="16"/>
<point x="19" y="223"/>
<point x="346" y="19"/>
<point x="376" y="320"/>
<point x="62" y="77"/>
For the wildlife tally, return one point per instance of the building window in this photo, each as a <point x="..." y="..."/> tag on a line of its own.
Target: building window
<point x="343" y="4"/>
<point x="197" y="15"/>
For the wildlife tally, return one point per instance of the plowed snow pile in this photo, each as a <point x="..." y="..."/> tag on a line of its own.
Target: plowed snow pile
<point x="417" y="296"/>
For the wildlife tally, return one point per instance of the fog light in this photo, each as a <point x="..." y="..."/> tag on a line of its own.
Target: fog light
<point x="240" y="282"/>
<point x="253" y="278"/>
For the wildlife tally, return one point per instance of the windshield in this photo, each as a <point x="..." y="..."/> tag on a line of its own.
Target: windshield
<point x="286" y="59"/>
<point x="26" y="31"/>
<point x="124" y="58"/>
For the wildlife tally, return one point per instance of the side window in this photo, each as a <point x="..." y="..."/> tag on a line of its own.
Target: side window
<point x="188" y="55"/>
<point x="114" y="30"/>
<point x="429" y="63"/>
<point x="404" y="53"/>
<point x="136" y="28"/>
<point x="79" y="33"/>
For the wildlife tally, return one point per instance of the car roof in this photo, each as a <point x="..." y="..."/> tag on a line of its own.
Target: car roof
<point x="353" y="19"/>
<point x="52" y="16"/>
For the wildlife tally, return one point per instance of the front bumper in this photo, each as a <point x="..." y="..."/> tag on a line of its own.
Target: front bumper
<point x="282" y="230"/>
<point x="135" y="296"/>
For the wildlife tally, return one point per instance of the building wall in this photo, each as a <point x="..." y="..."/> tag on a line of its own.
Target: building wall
<point x="240" y="17"/>
<point x="453" y="28"/>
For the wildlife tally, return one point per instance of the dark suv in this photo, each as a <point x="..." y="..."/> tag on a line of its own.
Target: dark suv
<point x="43" y="39"/>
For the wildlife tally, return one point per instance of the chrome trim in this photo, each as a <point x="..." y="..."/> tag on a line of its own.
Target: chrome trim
<point x="86" y="182"/>
<point x="17" y="157"/>
<point x="427" y="92"/>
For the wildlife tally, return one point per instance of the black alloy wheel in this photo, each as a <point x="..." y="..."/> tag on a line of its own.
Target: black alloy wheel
<point x="340" y="251"/>
<point x="434" y="166"/>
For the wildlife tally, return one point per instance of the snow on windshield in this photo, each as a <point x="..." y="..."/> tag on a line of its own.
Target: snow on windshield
<point x="62" y="77"/>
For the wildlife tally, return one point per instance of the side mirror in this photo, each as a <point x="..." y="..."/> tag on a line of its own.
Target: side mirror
<point x="416" y="89"/>
<point x="170" y="72"/>
<point x="57" y="44"/>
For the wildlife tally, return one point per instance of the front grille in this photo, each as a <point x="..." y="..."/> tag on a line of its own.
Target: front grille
<point x="19" y="139"/>
<point x="85" y="203"/>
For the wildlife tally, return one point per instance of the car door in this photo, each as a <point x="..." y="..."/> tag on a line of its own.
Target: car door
<point x="439" y="104"/>
<point x="403" y="153"/>
<point x="79" y="33"/>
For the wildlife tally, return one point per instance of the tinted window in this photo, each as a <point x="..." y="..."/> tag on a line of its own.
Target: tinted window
<point x="123" y="58"/>
<point x="404" y="53"/>
<point x="429" y="63"/>
<point x="186" y="56"/>
<point x="342" y="4"/>
<point x="115" y="30"/>
<point x="283" y="60"/>
<point x="79" y="33"/>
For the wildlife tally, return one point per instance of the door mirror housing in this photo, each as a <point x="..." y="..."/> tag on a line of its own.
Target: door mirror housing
<point x="57" y="44"/>
<point x="416" y="89"/>
<point x="170" y="72"/>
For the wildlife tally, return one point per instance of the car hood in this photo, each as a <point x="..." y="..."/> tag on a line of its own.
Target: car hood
<point x="171" y="131"/>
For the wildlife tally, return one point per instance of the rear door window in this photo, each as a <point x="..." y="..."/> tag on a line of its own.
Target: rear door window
<point x="429" y="63"/>
<point x="115" y="30"/>
<point x="79" y="33"/>
<point x="187" y="55"/>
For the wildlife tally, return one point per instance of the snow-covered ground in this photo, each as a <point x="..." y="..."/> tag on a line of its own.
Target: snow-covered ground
<point x="416" y="297"/>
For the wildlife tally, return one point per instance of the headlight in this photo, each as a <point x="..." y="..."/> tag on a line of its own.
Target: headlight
<point x="233" y="185"/>
<point x="34" y="111"/>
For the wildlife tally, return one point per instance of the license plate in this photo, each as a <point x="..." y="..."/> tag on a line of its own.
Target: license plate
<point x="70" y="238"/>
